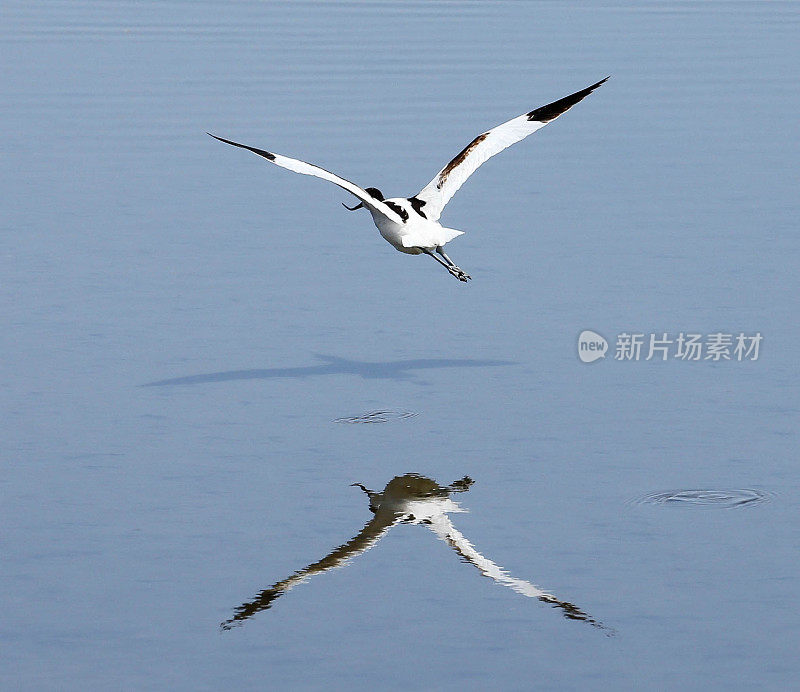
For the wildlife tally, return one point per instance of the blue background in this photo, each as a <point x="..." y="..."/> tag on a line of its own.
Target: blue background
<point x="136" y="250"/>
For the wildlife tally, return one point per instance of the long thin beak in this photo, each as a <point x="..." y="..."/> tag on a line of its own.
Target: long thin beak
<point x="358" y="206"/>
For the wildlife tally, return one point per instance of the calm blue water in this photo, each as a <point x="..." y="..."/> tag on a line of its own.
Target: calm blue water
<point x="184" y="325"/>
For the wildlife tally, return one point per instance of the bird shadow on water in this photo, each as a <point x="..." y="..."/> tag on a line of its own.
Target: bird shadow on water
<point x="415" y="500"/>
<point x="333" y="365"/>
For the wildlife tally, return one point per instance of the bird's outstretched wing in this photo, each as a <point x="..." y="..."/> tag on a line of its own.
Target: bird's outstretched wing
<point x="438" y="191"/>
<point x="444" y="529"/>
<point x="372" y="532"/>
<point x="309" y="169"/>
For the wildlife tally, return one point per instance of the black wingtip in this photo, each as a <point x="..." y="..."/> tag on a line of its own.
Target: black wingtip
<point x="221" y="140"/>
<point x="260" y="152"/>
<point x="544" y="114"/>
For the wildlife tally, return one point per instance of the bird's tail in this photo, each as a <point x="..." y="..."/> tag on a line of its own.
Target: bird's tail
<point x="451" y="233"/>
<point x="425" y="238"/>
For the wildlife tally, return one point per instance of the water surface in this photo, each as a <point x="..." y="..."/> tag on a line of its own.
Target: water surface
<point x="138" y="252"/>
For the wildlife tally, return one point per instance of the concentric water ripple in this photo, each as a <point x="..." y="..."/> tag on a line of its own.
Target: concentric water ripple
<point x="378" y="416"/>
<point x="709" y="498"/>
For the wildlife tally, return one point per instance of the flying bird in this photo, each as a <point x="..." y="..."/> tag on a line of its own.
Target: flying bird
<point x="411" y="224"/>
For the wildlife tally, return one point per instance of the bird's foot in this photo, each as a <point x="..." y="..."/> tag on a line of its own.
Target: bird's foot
<point x="459" y="273"/>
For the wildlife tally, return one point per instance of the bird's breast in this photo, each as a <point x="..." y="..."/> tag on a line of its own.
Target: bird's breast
<point x="393" y="233"/>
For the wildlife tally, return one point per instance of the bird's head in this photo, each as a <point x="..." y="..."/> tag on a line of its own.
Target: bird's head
<point x="373" y="191"/>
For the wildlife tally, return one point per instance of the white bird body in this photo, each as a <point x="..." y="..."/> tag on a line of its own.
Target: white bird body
<point x="411" y="224"/>
<point x="415" y="234"/>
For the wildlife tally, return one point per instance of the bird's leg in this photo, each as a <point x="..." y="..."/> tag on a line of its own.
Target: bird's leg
<point x="458" y="272"/>
<point x="440" y="250"/>
<point x="451" y="269"/>
<point x="442" y="262"/>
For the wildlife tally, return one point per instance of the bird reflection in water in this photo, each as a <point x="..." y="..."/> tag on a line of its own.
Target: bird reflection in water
<point x="409" y="499"/>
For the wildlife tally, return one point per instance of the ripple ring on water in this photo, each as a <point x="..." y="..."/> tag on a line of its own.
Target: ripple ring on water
<point x="378" y="417"/>
<point x="708" y="498"/>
